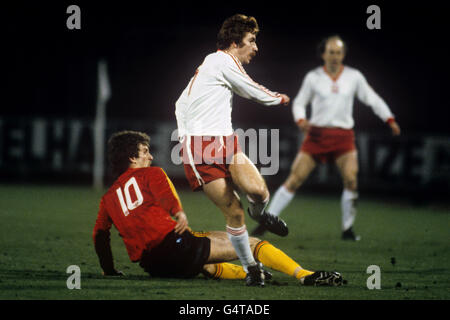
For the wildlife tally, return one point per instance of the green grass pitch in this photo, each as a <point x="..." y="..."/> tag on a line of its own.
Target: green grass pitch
<point x="45" y="229"/>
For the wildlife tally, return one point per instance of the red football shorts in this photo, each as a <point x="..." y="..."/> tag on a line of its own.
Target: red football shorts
<point x="208" y="159"/>
<point x="326" y="144"/>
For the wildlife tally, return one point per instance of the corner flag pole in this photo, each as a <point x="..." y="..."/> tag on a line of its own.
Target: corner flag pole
<point x="103" y="94"/>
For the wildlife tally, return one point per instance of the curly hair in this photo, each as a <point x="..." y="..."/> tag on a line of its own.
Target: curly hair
<point x="124" y="145"/>
<point x="234" y="29"/>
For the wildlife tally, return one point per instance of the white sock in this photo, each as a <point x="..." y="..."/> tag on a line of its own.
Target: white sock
<point x="239" y="239"/>
<point x="348" y="208"/>
<point x="280" y="200"/>
<point x="257" y="208"/>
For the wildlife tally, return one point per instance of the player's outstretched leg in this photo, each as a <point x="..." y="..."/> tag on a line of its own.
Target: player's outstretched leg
<point x="276" y="259"/>
<point x="221" y="192"/>
<point x="265" y="254"/>
<point x="226" y="270"/>
<point x="348" y="167"/>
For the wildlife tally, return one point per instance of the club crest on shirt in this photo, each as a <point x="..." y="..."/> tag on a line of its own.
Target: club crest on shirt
<point x="334" y="88"/>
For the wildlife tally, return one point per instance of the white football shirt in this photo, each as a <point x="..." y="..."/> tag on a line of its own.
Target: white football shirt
<point x="204" y="107"/>
<point x="332" y="99"/>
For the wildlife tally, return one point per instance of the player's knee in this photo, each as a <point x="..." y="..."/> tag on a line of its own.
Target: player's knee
<point x="209" y="270"/>
<point x="253" y="241"/>
<point x="258" y="193"/>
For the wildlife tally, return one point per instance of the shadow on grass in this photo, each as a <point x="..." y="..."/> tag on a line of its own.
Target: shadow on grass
<point x="27" y="279"/>
<point x="29" y="274"/>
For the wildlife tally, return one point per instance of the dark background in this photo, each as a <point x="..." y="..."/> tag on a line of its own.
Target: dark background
<point x="153" y="48"/>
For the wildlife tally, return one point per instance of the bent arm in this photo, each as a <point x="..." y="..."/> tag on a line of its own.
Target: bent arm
<point x="368" y="96"/>
<point x="301" y="101"/>
<point x="102" y="243"/>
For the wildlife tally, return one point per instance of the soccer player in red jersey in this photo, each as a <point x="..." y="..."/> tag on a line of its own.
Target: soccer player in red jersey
<point x="144" y="207"/>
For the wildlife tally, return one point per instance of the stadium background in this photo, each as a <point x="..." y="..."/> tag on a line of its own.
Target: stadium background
<point x="152" y="50"/>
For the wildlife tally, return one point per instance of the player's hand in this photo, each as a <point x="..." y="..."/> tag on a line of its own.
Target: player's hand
<point x="285" y="99"/>
<point x="303" y="125"/>
<point x="113" y="273"/>
<point x="182" y="222"/>
<point x="395" y="128"/>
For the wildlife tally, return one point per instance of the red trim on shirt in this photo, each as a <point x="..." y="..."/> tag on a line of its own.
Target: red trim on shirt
<point x="241" y="68"/>
<point x="195" y="77"/>
<point x="390" y="120"/>
<point x="335" y="78"/>
<point x="236" y="60"/>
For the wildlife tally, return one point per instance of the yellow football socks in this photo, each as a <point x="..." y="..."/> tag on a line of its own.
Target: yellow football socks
<point x="229" y="271"/>
<point x="276" y="259"/>
<point x="270" y="257"/>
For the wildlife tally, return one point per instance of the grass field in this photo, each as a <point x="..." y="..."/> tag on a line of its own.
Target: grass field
<point x="45" y="229"/>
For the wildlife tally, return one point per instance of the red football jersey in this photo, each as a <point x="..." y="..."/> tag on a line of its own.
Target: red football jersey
<point x="140" y="204"/>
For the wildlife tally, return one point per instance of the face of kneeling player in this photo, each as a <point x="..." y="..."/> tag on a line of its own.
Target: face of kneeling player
<point x="144" y="158"/>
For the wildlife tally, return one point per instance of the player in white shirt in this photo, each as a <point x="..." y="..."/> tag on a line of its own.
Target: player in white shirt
<point x="329" y="132"/>
<point x="213" y="160"/>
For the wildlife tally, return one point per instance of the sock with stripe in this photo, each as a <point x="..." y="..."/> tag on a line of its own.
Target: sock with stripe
<point x="228" y="271"/>
<point x="276" y="259"/>
<point x="241" y="244"/>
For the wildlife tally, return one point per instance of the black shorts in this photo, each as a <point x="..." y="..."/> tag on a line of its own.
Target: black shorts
<point x="177" y="256"/>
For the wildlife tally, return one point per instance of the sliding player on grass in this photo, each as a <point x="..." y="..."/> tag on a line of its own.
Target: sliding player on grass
<point x="144" y="207"/>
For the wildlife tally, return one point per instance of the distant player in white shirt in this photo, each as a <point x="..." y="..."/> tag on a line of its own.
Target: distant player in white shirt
<point x="213" y="160"/>
<point x="330" y="89"/>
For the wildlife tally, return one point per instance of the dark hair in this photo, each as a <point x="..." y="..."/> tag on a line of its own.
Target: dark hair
<point x="124" y="145"/>
<point x="323" y="43"/>
<point x="234" y="29"/>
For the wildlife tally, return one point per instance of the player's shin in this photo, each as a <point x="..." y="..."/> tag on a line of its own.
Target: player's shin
<point x="241" y="244"/>
<point x="228" y="271"/>
<point x="276" y="259"/>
